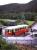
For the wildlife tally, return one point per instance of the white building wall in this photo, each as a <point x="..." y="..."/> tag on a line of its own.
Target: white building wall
<point x="35" y="26"/>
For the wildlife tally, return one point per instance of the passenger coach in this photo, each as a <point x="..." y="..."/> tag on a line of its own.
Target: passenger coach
<point x="15" y="30"/>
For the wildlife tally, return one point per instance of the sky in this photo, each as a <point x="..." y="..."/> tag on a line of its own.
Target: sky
<point x="3" y="2"/>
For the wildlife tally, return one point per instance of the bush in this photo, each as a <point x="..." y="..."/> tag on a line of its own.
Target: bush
<point x="5" y="46"/>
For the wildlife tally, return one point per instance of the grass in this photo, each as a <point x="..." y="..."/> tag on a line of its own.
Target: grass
<point x="30" y="22"/>
<point x="5" y="21"/>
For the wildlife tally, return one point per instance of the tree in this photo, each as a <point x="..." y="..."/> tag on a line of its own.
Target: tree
<point x="35" y="18"/>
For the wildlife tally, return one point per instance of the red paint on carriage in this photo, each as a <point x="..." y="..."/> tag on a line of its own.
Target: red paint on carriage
<point x="20" y="32"/>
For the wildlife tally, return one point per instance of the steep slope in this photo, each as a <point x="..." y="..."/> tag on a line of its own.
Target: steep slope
<point x="29" y="7"/>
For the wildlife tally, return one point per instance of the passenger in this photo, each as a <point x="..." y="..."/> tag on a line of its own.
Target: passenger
<point x="6" y="32"/>
<point x="13" y="32"/>
<point x="10" y="33"/>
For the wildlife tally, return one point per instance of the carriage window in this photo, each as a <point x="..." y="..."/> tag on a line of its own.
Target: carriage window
<point x="23" y="27"/>
<point x="7" y="31"/>
<point x="16" y="29"/>
<point x="13" y="33"/>
<point x="20" y="28"/>
<point x="10" y="30"/>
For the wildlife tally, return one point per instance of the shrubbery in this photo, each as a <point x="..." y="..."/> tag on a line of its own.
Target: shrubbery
<point x="5" y="46"/>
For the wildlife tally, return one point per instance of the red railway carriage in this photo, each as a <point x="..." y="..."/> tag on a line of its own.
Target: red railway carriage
<point x="21" y="31"/>
<point x="15" y="30"/>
